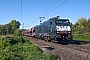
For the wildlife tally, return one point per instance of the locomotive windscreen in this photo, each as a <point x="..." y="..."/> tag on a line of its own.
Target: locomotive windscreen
<point x="62" y="22"/>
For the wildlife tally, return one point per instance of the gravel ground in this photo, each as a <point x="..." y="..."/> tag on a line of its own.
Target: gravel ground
<point x="66" y="52"/>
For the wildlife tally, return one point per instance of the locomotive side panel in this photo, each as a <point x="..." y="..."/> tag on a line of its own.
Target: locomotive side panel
<point x="54" y="29"/>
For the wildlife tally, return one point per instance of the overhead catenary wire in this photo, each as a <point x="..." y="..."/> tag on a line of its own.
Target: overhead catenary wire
<point x="45" y="6"/>
<point x="78" y="9"/>
<point x="49" y="7"/>
<point x="41" y="10"/>
<point x="72" y="14"/>
<point x="56" y="7"/>
<point x="21" y="16"/>
<point x="79" y="12"/>
<point x="21" y="10"/>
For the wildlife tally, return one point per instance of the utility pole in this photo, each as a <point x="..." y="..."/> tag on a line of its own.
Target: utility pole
<point x="23" y="26"/>
<point x="41" y="18"/>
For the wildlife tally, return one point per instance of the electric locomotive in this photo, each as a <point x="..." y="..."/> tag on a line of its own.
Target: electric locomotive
<point x="54" y="29"/>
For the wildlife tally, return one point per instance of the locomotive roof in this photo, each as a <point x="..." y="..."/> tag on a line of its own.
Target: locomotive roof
<point x="63" y="19"/>
<point x="55" y="18"/>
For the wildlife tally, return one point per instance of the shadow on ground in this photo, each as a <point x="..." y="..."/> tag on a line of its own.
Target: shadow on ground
<point x="66" y="42"/>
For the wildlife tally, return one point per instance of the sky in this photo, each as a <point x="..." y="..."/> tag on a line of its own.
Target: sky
<point x="29" y="11"/>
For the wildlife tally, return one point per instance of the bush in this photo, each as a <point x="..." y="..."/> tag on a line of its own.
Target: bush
<point x="17" y="32"/>
<point x="81" y="37"/>
<point x="87" y="33"/>
<point x="53" y="57"/>
<point x="19" y="48"/>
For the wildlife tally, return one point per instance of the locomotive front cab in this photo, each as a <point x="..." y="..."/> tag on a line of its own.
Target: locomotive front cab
<point x="63" y="29"/>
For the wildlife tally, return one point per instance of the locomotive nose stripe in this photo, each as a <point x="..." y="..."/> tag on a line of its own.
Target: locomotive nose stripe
<point x="64" y="32"/>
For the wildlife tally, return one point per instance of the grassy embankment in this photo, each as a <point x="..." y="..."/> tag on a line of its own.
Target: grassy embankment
<point x="85" y="37"/>
<point x="19" y="48"/>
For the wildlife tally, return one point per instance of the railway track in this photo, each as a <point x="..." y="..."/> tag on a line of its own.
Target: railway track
<point x="66" y="52"/>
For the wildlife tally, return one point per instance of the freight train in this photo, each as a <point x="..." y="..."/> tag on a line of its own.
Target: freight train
<point x="53" y="29"/>
<point x="30" y="32"/>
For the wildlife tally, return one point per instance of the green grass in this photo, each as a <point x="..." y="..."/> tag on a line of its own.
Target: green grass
<point x="85" y="37"/>
<point x="19" y="48"/>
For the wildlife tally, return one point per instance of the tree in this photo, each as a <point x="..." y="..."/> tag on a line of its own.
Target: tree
<point x="82" y="22"/>
<point x="14" y="25"/>
<point x="2" y="29"/>
<point x="81" y="25"/>
<point x="88" y="23"/>
<point x="9" y="28"/>
<point x="17" y="32"/>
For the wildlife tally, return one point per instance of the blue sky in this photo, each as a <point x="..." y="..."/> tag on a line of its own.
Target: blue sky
<point x="33" y="9"/>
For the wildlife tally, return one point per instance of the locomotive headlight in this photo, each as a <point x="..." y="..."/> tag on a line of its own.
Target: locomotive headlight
<point x="57" y="31"/>
<point x="57" y="27"/>
<point x="69" y="32"/>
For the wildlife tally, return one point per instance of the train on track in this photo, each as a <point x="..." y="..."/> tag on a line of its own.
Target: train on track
<point x="52" y="29"/>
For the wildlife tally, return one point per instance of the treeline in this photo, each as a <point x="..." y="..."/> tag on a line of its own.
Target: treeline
<point x="81" y="26"/>
<point x="81" y="29"/>
<point x="10" y="28"/>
